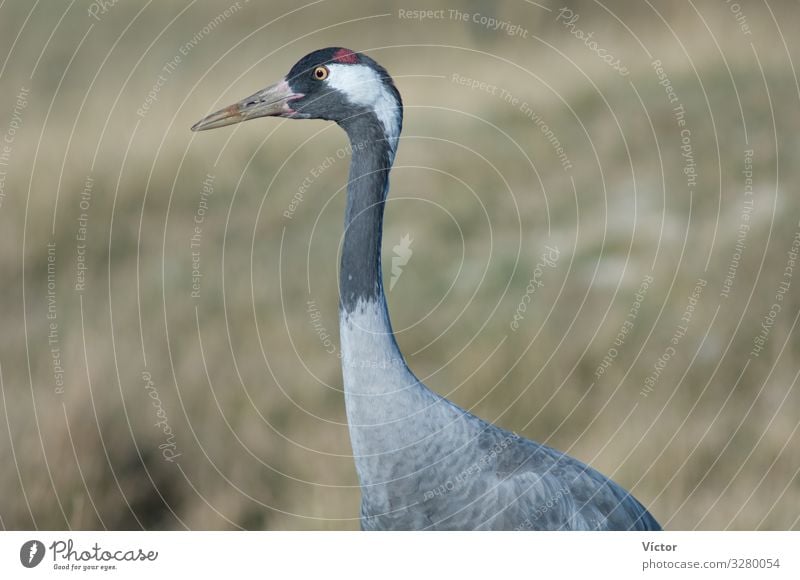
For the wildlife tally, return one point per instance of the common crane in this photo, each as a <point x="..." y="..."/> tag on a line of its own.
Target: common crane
<point x="422" y="462"/>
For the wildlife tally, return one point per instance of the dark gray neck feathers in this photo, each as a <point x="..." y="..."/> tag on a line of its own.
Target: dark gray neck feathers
<point x="372" y="156"/>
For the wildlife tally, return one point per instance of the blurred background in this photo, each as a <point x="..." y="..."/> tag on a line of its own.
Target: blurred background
<point x="594" y="215"/>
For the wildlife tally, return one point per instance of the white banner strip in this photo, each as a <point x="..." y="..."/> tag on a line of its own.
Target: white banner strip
<point x="355" y="555"/>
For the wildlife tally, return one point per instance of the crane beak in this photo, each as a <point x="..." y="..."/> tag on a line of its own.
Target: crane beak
<point x="274" y="101"/>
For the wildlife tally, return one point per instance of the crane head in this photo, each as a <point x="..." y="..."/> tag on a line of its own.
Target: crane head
<point x="334" y="84"/>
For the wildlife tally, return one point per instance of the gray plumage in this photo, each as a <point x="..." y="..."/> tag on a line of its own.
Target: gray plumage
<point x="423" y="463"/>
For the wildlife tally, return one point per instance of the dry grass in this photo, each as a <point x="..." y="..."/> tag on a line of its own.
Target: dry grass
<point x="246" y="384"/>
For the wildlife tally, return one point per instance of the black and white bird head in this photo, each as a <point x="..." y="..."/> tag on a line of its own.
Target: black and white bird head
<point x="335" y="84"/>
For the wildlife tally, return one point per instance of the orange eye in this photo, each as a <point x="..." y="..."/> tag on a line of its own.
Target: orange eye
<point x="321" y="73"/>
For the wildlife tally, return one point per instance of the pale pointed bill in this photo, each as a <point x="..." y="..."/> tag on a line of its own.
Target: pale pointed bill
<point x="273" y="101"/>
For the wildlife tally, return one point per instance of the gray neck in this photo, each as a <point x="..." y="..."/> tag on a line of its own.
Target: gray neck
<point x="360" y="278"/>
<point x="391" y="414"/>
<point x="377" y="382"/>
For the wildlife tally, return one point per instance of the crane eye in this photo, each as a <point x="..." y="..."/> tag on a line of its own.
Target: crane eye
<point x="321" y="73"/>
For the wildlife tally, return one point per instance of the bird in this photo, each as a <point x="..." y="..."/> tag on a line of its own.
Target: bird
<point x="423" y="463"/>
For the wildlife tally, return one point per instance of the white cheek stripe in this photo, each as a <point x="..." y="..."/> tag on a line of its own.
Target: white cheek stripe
<point x="363" y="86"/>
